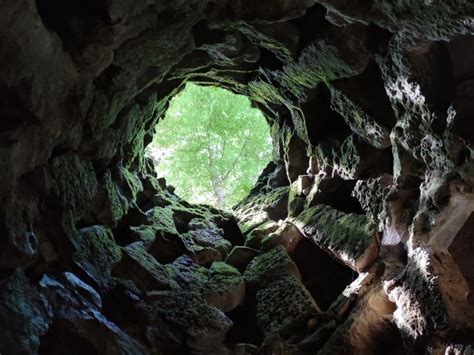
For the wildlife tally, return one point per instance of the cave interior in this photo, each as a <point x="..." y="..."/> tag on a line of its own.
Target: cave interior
<point x="357" y="238"/>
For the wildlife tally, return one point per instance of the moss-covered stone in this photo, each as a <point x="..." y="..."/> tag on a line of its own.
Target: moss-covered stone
<point x="419" y="303"/>
<point x="371" y="194"/>
<point x="283" y="301"/>
<point x="114" y="205"/>
<point x="74" y="182"/>
<point x="201" y="254"/>
<point x="267" y="266"/>
<point x="287" y="235"/>
<point x="162" y="219"/>
<point x="145" y="234"/>
<point x="225" y="288"/>
<point x="132" y="181"/>
<point x="241" y="256"/>
<point x="200" y="324"/>
<point x="140" y="267"/>
<point x="211" y="238"/>
<point x="223" y="268"/>
<point x="349" y="237"/>
<point x="360" y="122"/>
<point x="97" y="255"/>
<point x="263" y="40"/>
<point x="257" y="209"/>
<point x="295" y="201"/>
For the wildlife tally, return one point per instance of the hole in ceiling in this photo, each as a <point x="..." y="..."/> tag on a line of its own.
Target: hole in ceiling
<point x="211" y="145"/>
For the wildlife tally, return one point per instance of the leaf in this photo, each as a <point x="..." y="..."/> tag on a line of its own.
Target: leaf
<point x="211" y="143"/>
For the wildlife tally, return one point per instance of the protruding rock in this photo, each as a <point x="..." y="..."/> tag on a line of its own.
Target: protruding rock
<point x="349" y="237"/>
<point x="269" y="265"/>
<point x="97" y="255"/>
<point x="225" y="288"/>
<point x="313" y="165"/>
<point x="288" y="236"/>
<point x="304" y="184"/>
<point x="241" y="256"/>
<point x="283" y="301"/>
<point x="140" y="267"/>
<point x="25" y="315"/>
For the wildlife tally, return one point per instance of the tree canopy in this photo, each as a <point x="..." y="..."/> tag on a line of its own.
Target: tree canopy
<point x="211" y="145"/>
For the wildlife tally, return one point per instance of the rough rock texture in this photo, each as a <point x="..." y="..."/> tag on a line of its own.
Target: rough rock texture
<point x="356" y="239"/>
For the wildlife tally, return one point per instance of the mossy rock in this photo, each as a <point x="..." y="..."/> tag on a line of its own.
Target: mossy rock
<point x="71" y="174"/>
<point x="132" y="182"/>
<point x="350" y="237"/>
<point x="142" y="268"/>
<point x="258" y="208"/>
<point x="222" y="268"/>
<point x="225" y="288"/>
<point x="115" y="204"/>
<point x="25" y="315"/>
<point x="162" y="219"/>
<point x="97" y="255"/>
<point x="267" y="266"/>
<point x="283" y="301"/>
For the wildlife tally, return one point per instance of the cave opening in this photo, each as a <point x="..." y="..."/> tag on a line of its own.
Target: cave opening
<point x="211" y="145"/>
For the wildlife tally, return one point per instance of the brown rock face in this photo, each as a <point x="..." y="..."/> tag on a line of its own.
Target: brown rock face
<point x="356" y="239"/>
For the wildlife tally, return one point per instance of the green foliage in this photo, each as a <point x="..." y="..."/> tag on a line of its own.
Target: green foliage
<point x="211" y="145"/>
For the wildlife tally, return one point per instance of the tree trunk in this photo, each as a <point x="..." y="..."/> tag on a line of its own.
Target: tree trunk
<point x="219" y="194"/>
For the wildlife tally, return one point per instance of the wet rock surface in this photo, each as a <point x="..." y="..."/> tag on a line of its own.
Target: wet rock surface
<point x="356" y="239"/>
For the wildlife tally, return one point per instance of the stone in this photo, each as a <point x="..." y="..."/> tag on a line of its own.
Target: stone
<point x="114" y="205"/>
<point x="81" y="324"/>
<point x="97" y="256"/>
<point x="143" y="269"/>
<point x="288" y="236"/>
<point x="25" y="315"/>
<point x="319" y="337"/>
<point x="283" y="301"/>
<point x="304" y="184"/>
<point x="69" y="172"/>
<point x="460" y="249"/>
<point x="295" y="159"/>
<point x="265" y="267"/>
<point x="225" y="288"/>
<point x="256" y="210"/>
<point x="313" y="168"/>
<point x="241" y="256"/>
<point x="295" y="201"/>
<point x="166" y="248"/>
<point x="255" y="237"/>
<point x="348" y="237"/>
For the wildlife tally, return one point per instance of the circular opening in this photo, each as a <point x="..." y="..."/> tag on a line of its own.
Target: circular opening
<point x="211" y="145"/>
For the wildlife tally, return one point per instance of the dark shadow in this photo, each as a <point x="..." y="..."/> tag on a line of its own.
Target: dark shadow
<point x="324" y="277"/>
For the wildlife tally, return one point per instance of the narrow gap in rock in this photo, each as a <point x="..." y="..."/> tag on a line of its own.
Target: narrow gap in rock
<point x="105" y="79"/>
<point x="74" y="21"/>
<point x="322" y="121"/>
<point x="245" y="328"/>
<point x="311" y="25"/>
<point x="324" y="277"/>
<point x="60" y="339"/>
<point x="270" y="59"/>
<point x="339" y="196"/>
<point x="12" y="111"/>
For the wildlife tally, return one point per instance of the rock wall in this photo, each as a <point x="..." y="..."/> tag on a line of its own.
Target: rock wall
<point x="356" y="239"/>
